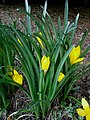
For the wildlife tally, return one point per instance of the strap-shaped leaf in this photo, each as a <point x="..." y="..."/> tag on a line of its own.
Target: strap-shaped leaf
<point x="54" y="85"/>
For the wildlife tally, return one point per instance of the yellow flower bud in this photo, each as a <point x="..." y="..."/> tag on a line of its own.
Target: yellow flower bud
<point x="18" y="78"/>
<point x="45" y="62"/>
<point x="40" y="41"/>
<point x="20" y="42"/>
<point x="61" y="76"/>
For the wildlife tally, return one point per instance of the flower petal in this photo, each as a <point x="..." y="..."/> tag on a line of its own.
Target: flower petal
<point x="15" y="72"/>
<point x="73" y="51"/>
<point x="20" y="41"/>
<point x="40" y="33"/>
<point x="88" y="116"/>
<point x="18" y="79"/>
<point x="77" y="51"/>
<point x="61" y="76"/>
<point x="71" y="55"/>
<point x="45" y="62"/>
<point x="78" y="60"/>
<point x="85" y="105"/>
<point x="81" y="112"/>
<point x="39" y="40"/>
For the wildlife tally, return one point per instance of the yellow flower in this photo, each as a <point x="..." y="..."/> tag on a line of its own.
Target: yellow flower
<point x="45" y="62"/>
<point x="74" y="55"/>
<point x="20" y="42"/>
<point x="18" y="78"/>
<point x="39" y="40"/>
<point x="85" y="111"/>
<point x="61" y="76"/>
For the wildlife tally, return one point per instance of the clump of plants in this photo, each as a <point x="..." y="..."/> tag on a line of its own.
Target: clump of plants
<point x="51" y="64"/>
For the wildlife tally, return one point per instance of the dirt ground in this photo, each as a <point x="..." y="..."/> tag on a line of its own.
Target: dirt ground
<point x="55" y="11"/>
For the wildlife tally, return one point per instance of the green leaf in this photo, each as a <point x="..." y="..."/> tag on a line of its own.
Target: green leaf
<point x="59" y="26"/>
<point x="73" y="32"/>
<point x="66" y="14"/>
<point x="54" y="85"/>
<point x="83" y="38"/>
